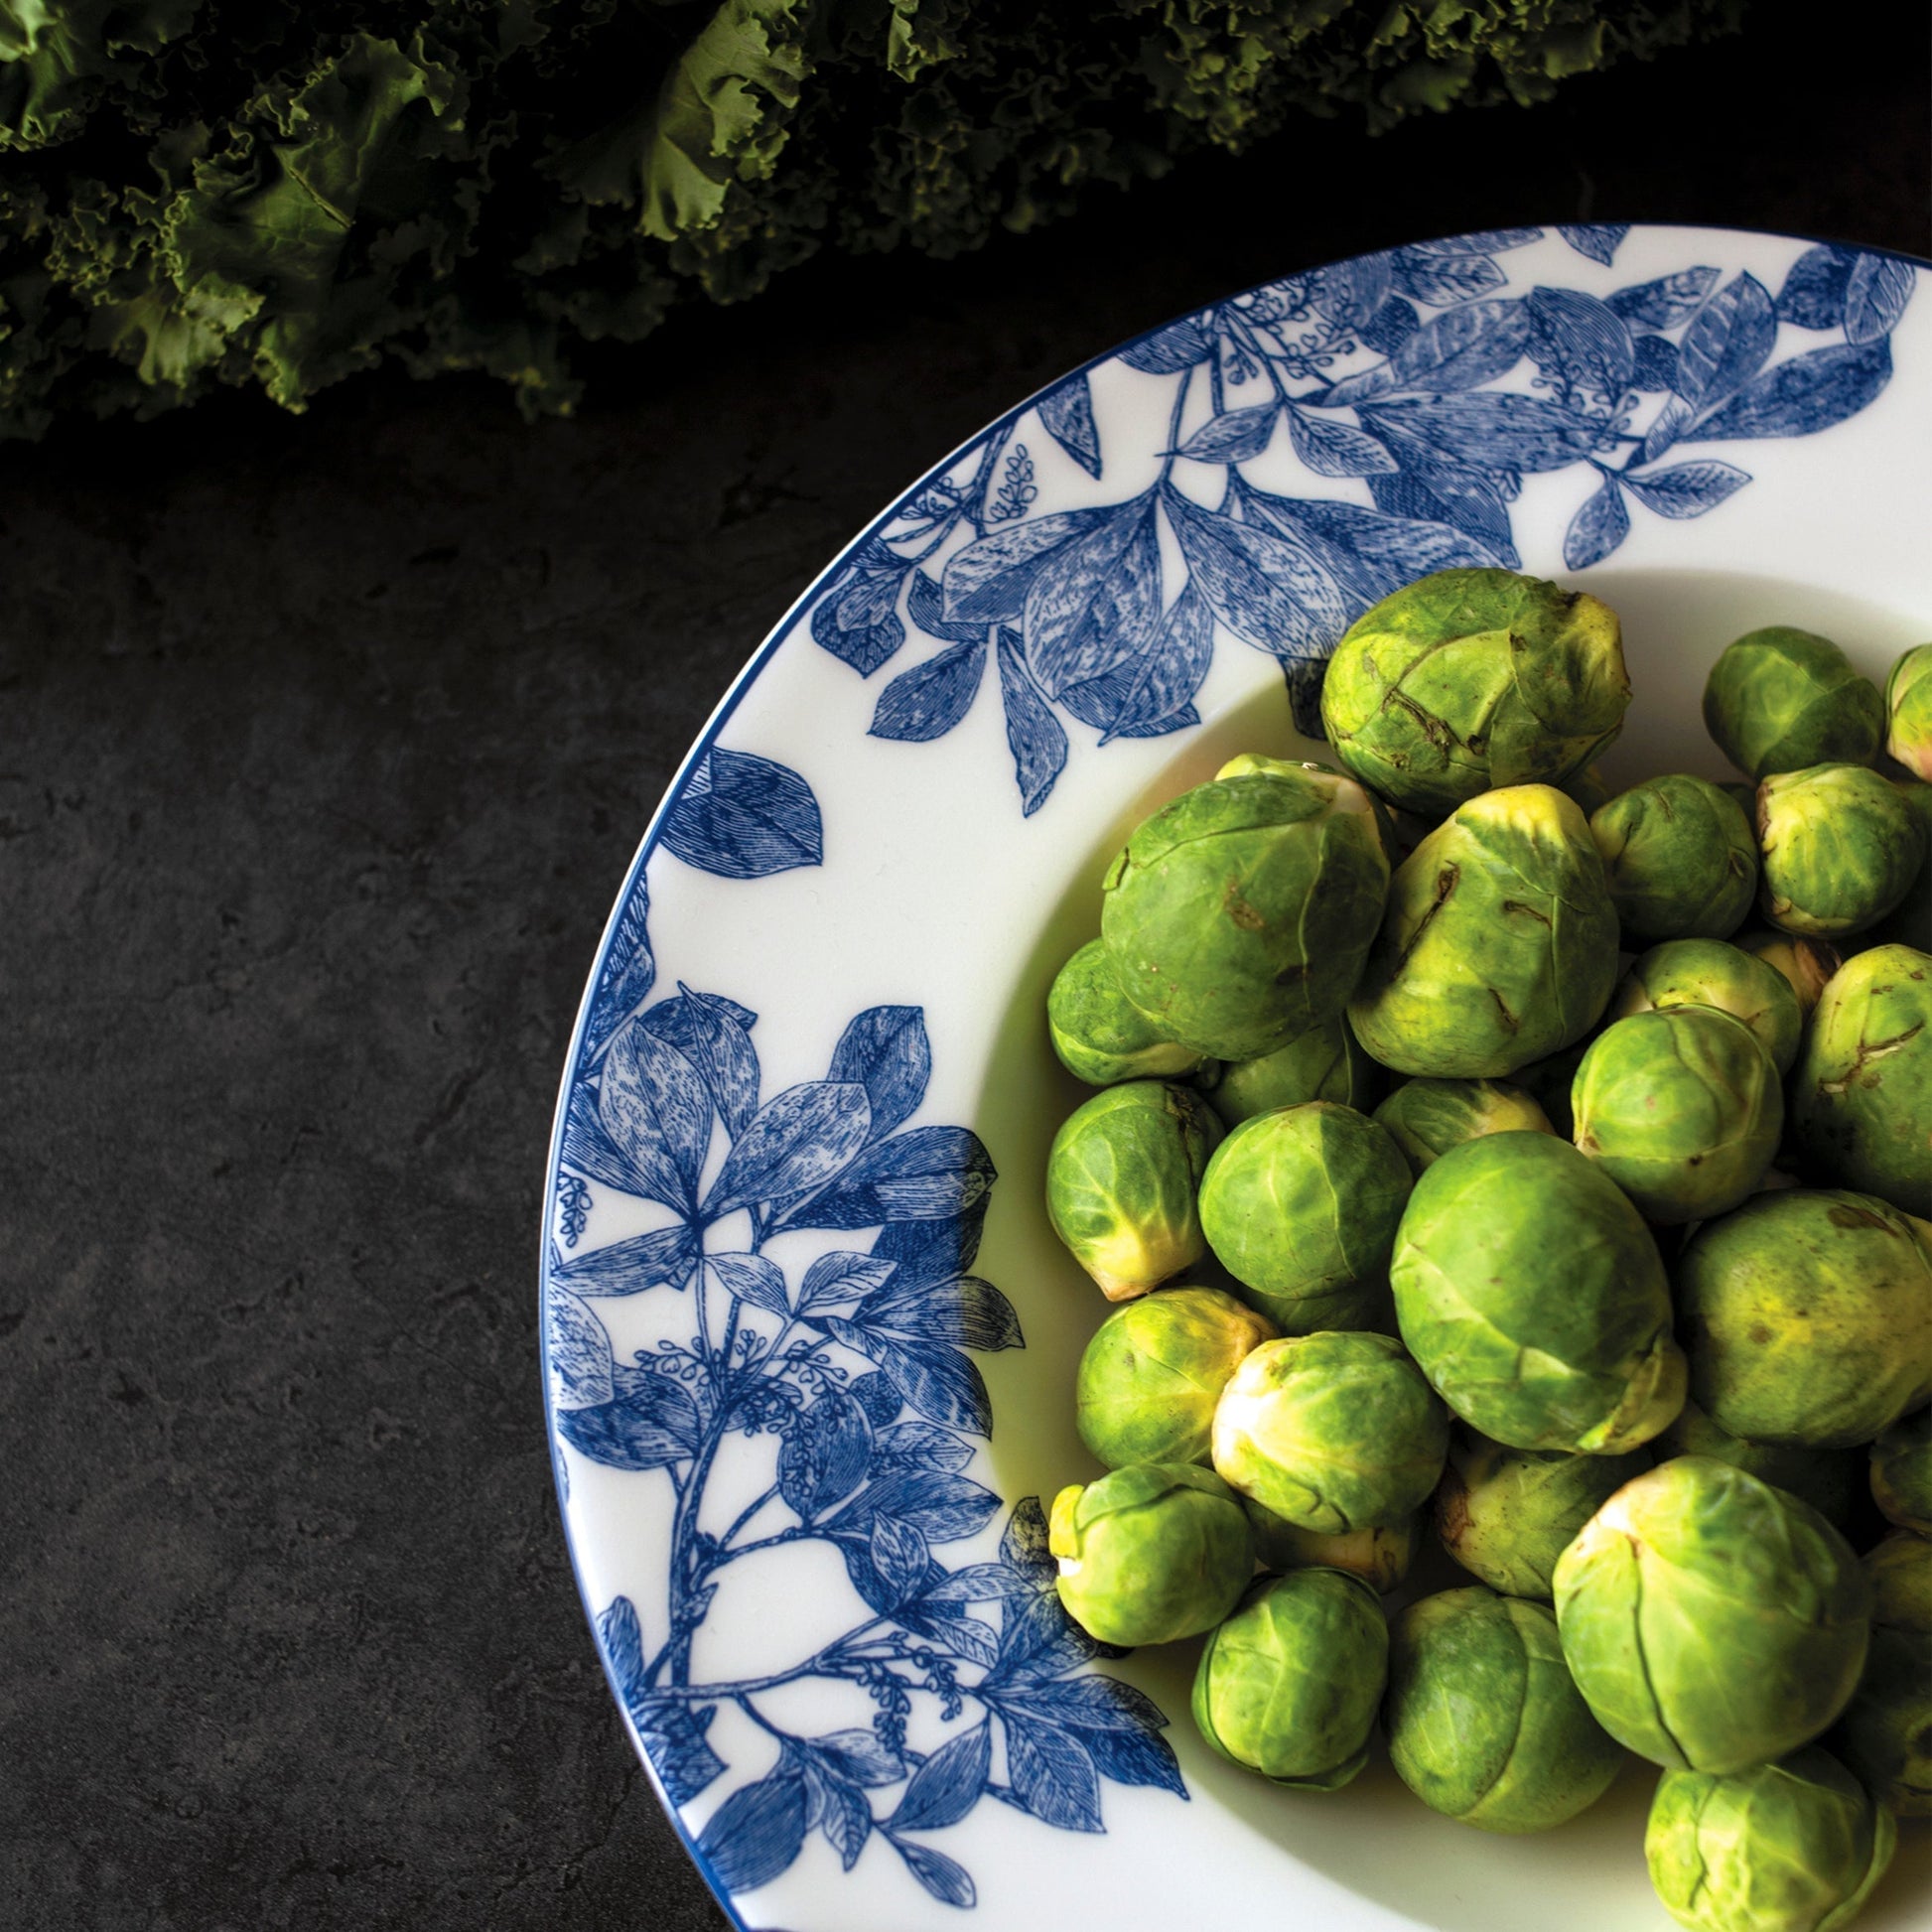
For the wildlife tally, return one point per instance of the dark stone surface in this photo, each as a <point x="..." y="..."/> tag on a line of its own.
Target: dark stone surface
<point x="323" y="746"/>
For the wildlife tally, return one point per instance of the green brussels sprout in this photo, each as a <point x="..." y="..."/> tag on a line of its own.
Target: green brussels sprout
<point x="1830" y="1480"/>
<point x="1710" y="973"/>
<point x="1804" y="965"/>
<point x="1840" y="848"/>
<point x="1791" y="1847"/>
<point x="1099" y="1036"/>
<point x="1899" y="1566"/>
<point x="1588" y="788"/>
<point x="1744" y="794"/>
<point x="1150" y="1376"/>
<point x="1506" y="1515"/>
<point x="1779" y="700"/>
<point x="1807" y="1316"/>
<point x="1483" y="1719"/>
<point x="1289" y="1685"/>
<point x="1534" y="1299"/>
<point x="1681" y="1108"/>
<point x="1239" y="915"/>
<point x="1680" y="859"/>
<point x="1380" y="1555"/>
<point x="1909" y="922"/>
<point x="1908" y="711"/>
<point x="1334" y="1431"/>
<point x="1150" y="1553"/>
<point x="1120" y="1180"/>
<point x="1301" y="1207"/>
<point x="1901" y="1472"/>
<point x="1499" y="945"/>
<point x="1425" y="1118"/>
<point x="1324" y="1063"/>
<point x="1885" y="1736"/>
<point x="1548" y="1082"/>
<point x="1711" y="1620"/>
<point x="1862" y="1098"/>
<point x="1473" y="678"/>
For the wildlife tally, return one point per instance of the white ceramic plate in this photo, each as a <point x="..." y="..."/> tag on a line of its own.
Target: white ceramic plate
<point x="809" y="1362"/>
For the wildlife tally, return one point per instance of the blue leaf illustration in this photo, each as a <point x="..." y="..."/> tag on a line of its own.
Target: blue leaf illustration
<point x="857" y="619"/>
<point x="930" y="1174"/>
<point x="1035" y="738"/>
<point x="1024" y="1544"/>
<point x="1664" y="303"/>
<point x="755" y="1833"/>
<point x="963" y="1310"/>
<point x="1440" y="279"/>
<point x="1581" y="341"/>
<point x="1598" y="240"/>
<point x="1067" y="411"/>
<point x="1088" y="1704"/>
<point x="1040" y="1642"/>
<point x="1875" y="296"/>
<point x="587" y="1147"/>
<point x="653" y="1105"/>
<point x="947" y="1785"/>
<point x="744" y="818"/>
<point x="796" y="1142"/>
<point x="1726" y="342"/>
<point x="874" y="1394"/>
<point x="1237" y="437"/>
<point x="673" y="1737"/>
<point x="1390" y="326"/>
<point x="1134" y="1757"/>
<point x="943" y="1508"/>
<point x="650" y="1423"/>
<point x="859" y="1758"/>
<point x="928" y="701"/>
<point x="1598" y="528"/>
<point x="1335" y="449"/>
<point x="752" y="1279"/>
<point x="1369" y="553"/>
<point x="622" y="1637"/>
<point x="1348" y="293"/>
<point x="825" y="1455"/>
<point x="1654" y="368"/>
<point x="627" y="975"/>
<point x="1813" y="296"/>
<point x="930" y="1251"/>
<point x="1489" y="429"/>
<point x="1490" y="242"/>
<point x="1434" y="493"/>
<point x="1800" y="397"/>
<point x="964" y="1637"/>
<point x="715" y="1035"/>
<point x="1096" y="602"/>
<point x="665" y="1256"/>
<point x="1462" y="349"/>
<point x="1167" y="351"/>
<point x="925" y="604"/>
<point x="1686" y="489"/>
<point x="886" y="1050"/>
<point x="1266" y="589"/>
<point x="980" y="1583"/>
<point x="1668" y="425"/>
<point x="842" y="1277"/>
<point x="898" y="1558"/>
<point x="1155" y="693"/>
<point x="988" y="581"/>
<point x="905" y="1448"/>
<point x="844" y="1817"/>
<point x="1051" y="1775"/>
<point x="579" y="1352"/>
<point x="946" y="1879"/>
<point x="939" y="1382"/>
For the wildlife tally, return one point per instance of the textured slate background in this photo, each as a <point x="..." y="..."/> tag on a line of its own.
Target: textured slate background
<point x="323" y="746"/>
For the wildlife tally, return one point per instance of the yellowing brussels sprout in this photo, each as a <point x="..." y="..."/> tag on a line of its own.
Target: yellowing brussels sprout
<point x="1150" y="1553"/>
<point x="1239" y="914"/>
<point x="1831" y="1481"/>
<point x="1379" y="1555"/>
<point x="1120" y="1180"/>
<point x="1483" y="1719"/>
<point x="1804" y="964"/>
<point x="1840" y="848"/>
<point x="1885" y="1736"/>
<point x="1425" y="1118"/>
<point x="1532" y="1295"/>
<point x="1150" y="1376"/>
<point x="1324" y="1063"/>
<point x="1100" y="1037"/>
<point x="1506" y="1515"/>
<point x="1289" y="1685"/>
<point x="1301" y="1207"/>
<point x="1899" y="1566"/>
<point x="1791" y="1847"/>
<point x="1779" y="700"/>
<point x="1901" y="1472"/>
<point x="1334" y="1431"/>
<point x="1711" y="1621"/>
<point x="1680" y="859"/>
<point x="1499" y="945"/>
<point x="1862" y="1098"/>
<point x="1710" y="973"/>
<point x="1908" y="708"/>
<point x="1681" y="1108"/>
<point x="1473" y="678"/>
<point x="1807" y="1316"/>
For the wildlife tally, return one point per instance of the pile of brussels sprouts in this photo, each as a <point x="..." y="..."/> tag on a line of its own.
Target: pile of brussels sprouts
<point x="1456" y="1155"/>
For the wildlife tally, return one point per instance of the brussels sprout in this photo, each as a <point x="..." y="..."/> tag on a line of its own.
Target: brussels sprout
<point x="1830" y="1480"/>
<point x="1240" y="914"/>
<point x="1885" y="1736"/>
<point x="1548" y="1082"/>
<point x="1840" y="849"/>
<point x="1150" y="1553"/>
<point x="1120" y="1180"/>
<point x="1533" y="1297"/>
<point x="1901" y="1472"/>
<point x="1791" y="1847"/>
<point x="1379" y="1555"/>
<point x="1334" y="1431"/>
<point x="1908" y="709"/>
<point x="1483" y="1719"/>
<point x="1807" y="1316"/>
<point x="1901" y="1568"/>
<point x="1289" y="1685"/>
<point x="1324" y="1063"/>
<point x="1711" y="1621"/>
<point x="1588" y="788"/>
<point x="1681" y="1108"/>
<point x="1862" y="1098"/>
<point x="1473" y="678"/>
<point x="1150" y="1376"/>
<point x="1679" y="857"/>
<point x="1099" y="1036"/>
<point x="1301" y="1207"/>
<point x="1425" y="1118"/>
<point x="1506" y="1515"/>
<point x="1804" y="964"/>
<point x="1909" y="922"/>
<point x="1499" y="945"/>
<point x="1779" y="700"/>
<point x="1710" y="973"/>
